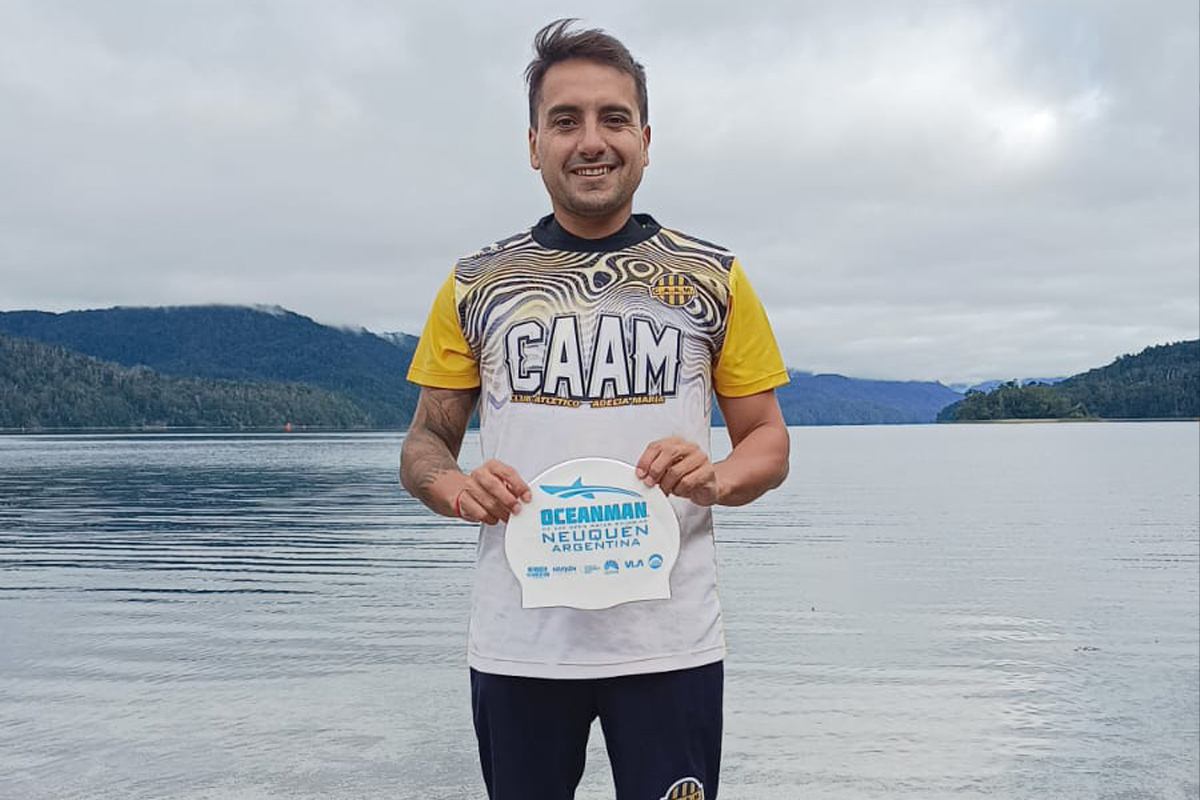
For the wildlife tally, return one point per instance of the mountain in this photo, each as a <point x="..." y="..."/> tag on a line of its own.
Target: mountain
<point x="47" y="386"/>
<point x="242" y="344"/>
<point x="837" y="400"/>
<point x="1161" y="382"/>
<point x="273" y="344"/>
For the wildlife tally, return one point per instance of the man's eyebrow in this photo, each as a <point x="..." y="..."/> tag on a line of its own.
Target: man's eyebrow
<point x="562" y="108"/>
<point x="619" y="108"/>
<point x="570" y="108"/>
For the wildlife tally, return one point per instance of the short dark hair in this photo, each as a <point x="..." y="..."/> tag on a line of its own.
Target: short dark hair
<point x="554" y="43"/>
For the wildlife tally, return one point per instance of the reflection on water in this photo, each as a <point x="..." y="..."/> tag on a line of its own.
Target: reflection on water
<point x="921" y="612"/>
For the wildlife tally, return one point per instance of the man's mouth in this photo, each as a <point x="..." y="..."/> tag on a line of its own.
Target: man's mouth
<point x="592" y="171"/>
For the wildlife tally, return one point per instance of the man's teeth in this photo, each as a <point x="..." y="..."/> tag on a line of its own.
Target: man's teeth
<point x="592" y="171"/>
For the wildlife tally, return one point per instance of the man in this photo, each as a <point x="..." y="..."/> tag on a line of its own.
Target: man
<point x="595" y="333"/>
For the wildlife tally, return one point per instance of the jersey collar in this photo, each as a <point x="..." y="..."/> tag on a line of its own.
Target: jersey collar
<point x="638" y="228"/>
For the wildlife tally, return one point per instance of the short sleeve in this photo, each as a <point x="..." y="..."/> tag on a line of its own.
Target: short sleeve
<point x="749" y="361"/>
<point x="443" y="360"/>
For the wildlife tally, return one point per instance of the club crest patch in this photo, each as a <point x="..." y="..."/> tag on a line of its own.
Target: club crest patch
<point x="685" y="789"/>
<point x="674" y="289"/>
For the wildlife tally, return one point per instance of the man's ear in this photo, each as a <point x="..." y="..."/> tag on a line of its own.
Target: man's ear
<point x="533" y="159"/>
<point x="645" y="145"/>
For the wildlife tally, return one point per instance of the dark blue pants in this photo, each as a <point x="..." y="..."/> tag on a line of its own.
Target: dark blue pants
<point x="662" y="730"/>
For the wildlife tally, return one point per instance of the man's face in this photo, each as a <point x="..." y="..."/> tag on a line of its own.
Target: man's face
<point x="590" y="145"/>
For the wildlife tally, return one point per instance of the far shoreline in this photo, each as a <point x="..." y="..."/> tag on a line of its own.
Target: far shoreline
<point x="1016" y="420"/>
<point x="295" y="430"/>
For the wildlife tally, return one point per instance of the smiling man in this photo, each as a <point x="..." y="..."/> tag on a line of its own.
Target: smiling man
<point x="596" y="333"/>
<point x="587" y="139"/>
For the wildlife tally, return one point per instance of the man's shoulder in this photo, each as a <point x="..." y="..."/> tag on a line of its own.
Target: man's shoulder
<point x="521" y="240"/>
<point x="693" y="241"/>
<point x="684" y="244"/>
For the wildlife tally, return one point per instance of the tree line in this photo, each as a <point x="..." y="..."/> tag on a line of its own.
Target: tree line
<point x="1161" y="382"/>
<point x="45" y="386"/>
<point x="235" y="343"/>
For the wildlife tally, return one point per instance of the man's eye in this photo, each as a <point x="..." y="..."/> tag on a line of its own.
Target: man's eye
<point x="563" y="122"/>
<point x="617" y="121"/>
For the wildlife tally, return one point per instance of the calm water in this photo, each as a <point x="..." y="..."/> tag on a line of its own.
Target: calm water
<point x="1005" y="611"/>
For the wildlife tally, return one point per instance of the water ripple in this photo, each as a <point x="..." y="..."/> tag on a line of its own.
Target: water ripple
<point x="196" y="616"/>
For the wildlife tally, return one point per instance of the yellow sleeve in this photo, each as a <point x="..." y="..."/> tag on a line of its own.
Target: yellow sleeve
<point x="749" y="361"/>
<point x="443" y="360"/>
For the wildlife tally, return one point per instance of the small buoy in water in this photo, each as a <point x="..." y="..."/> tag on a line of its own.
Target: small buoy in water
<point x="287" y="427"/>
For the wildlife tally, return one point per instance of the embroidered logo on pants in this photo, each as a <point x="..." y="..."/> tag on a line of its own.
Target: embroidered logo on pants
<point x="685" y="789"/>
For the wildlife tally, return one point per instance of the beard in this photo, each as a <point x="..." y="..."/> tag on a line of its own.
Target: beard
<point x="594" y="201"/>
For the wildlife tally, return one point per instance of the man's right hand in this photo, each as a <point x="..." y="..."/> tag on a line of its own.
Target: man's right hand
<point x="491" y="492"/>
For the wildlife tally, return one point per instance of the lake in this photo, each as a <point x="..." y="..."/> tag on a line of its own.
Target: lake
<point x="921" y="612"/>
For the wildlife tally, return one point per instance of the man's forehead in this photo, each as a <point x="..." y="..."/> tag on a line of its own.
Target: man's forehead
<point x="582" y="83"/>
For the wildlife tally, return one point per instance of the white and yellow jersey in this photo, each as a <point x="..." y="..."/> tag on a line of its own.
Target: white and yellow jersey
<point x="595" y="348"/>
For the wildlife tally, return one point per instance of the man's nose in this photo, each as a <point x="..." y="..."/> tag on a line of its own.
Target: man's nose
<point x="591" y="139"/>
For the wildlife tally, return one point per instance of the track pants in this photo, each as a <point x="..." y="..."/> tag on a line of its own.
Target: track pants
<point x="662" y="731"/>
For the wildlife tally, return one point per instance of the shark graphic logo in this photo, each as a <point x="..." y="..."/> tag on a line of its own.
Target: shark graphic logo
<point x="580" y="489"/>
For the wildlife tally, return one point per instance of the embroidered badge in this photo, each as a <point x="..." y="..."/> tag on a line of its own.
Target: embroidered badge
<point x="685" y="789"/>
<point x="674" y="289"/>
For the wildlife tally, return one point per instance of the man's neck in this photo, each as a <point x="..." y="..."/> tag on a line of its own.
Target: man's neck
<point x="592" y="227"/>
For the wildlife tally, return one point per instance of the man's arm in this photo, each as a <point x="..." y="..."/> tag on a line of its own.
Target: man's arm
<point x="429" y="462"/>
<point x="757" y="463"/>
<point x="759" y="460"/>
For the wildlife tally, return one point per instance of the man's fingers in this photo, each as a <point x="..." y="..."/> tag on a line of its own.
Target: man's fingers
<point x="664" y="459"/>
<point x="516" y="486"/>
<point x="677" y="474"/>
<point x="655" y="460"/>
<point x="472" y="509"/>
<point x="496" y="490"/>
<point x="497" y="507"/>
<point x="642" y="468"/>
<point x="678" y="467"/>
<point x="493" y="492"/>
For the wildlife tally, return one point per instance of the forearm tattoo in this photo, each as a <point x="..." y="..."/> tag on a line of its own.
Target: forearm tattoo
<point x="434" y="439"/>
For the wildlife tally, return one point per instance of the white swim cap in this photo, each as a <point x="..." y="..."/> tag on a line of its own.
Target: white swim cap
<point x="594" y="536"/>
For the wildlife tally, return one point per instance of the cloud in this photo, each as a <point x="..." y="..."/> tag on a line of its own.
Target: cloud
<point x="928" y="190"/>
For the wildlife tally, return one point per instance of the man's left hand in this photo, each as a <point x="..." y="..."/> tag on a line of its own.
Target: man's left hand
<point x="681" y="468"/>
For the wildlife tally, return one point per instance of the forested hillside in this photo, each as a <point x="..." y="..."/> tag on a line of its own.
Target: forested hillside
<point x="45" y="386"/>
<point x="242" y="343"/>
<point x="363" y="375"/>
<point x="1014" y="401"/>
<point x="238" y="343"/>
<point x="1161" y="382"/>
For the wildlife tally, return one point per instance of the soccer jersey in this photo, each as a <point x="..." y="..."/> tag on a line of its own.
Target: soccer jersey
<point x="585" y="348"/>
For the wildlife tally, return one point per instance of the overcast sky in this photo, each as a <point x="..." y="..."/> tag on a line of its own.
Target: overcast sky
<point x="918" y="190"/>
